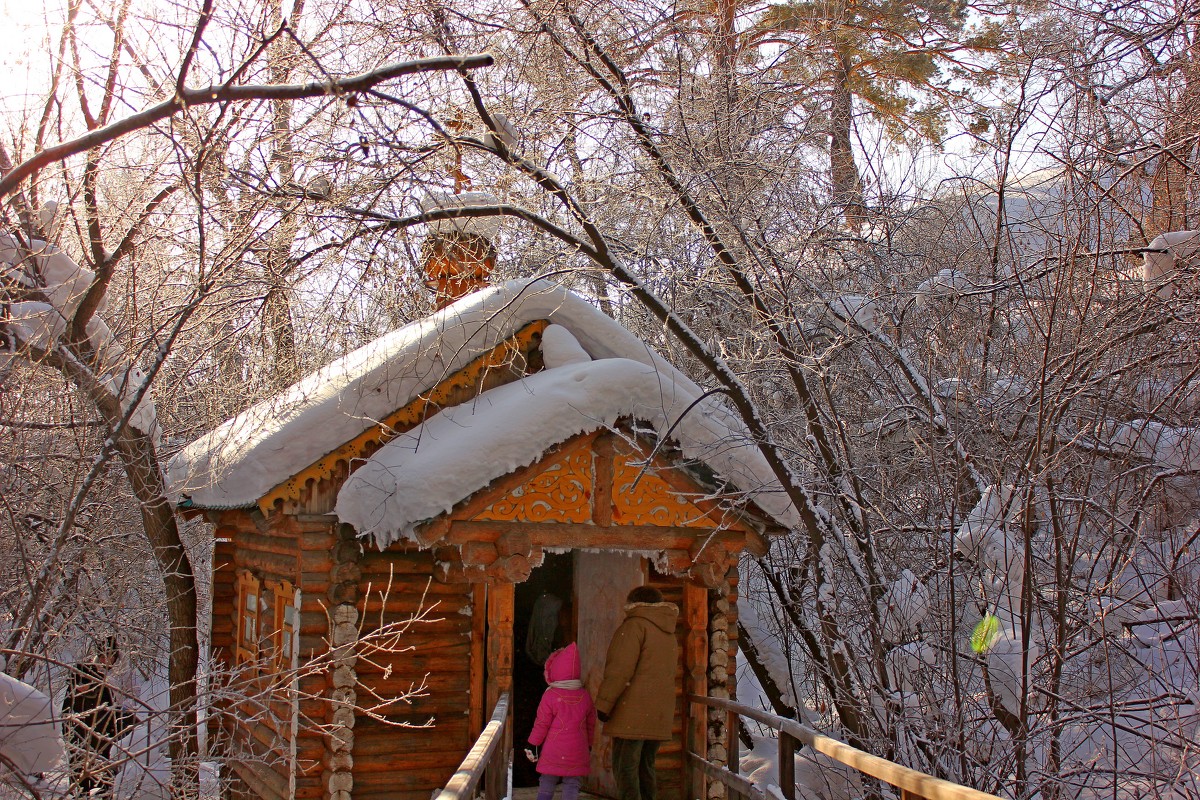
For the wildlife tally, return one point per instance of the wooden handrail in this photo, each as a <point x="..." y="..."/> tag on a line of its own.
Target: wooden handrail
<point x="911" y="782"/>
<point x="463" y="783"/>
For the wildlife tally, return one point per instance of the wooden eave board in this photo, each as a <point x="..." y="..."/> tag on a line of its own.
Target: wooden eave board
<point x="515" y="356"/>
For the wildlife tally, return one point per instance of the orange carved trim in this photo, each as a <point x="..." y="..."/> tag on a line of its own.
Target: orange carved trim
<point x="559" y="493"/>
<point x="641" y="497"/>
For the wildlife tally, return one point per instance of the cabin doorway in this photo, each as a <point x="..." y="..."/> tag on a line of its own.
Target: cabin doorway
<point x="543" y="621"/>
<point x="572" y="597"/>
<point x="602" y="580"/>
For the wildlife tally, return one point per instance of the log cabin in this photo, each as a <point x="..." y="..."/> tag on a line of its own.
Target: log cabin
<point x="400" y="536"/>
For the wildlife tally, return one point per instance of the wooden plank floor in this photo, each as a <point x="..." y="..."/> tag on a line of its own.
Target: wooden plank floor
<point x="530" y="793"/>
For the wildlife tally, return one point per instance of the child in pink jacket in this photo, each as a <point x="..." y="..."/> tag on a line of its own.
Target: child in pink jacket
<point x="565" y="726"/>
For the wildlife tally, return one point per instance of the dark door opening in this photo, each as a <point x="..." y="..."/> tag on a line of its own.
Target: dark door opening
<point x="543" y="621"/>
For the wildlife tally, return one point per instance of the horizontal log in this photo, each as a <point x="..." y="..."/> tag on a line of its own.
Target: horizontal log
<point x="422" y="749"/>
<point x="268" y="566"/>
<point x="442" y="621"/>
<point x="404" y="626"/>
<point x="580" y="535"/>
<point x="373" y="769"/>
<point x="401" y="666"/>
<point x="405" y="775"/>
<point x="315" y="561"/>
<point x="314" y="581"/>
<point x="400" y="562"/>
<point x="276" y="541"/>
<point x="309" y="792"/>
<point x="445" y="731"/>
<point x="315" y="710"/>
<point x="446" y="596"/>
<point x="395" y="685"/>
<point x="411" y="581"/>
<point x="316" y="541"/>
<point x="311" y="647"/>
<point x="423" y="639"/>
<point x="434" y="704"/>
<point x="417" y="785"/>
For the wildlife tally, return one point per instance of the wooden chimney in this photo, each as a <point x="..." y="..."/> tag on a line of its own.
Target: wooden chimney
<point x="459" y="254"/>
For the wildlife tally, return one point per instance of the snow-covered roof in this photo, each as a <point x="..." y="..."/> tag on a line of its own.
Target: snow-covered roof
<point x="247" y="456"/>
<point x="427" y="470"/>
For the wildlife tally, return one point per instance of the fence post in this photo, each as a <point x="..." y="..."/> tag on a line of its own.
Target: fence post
<point x="787" y="764"/>
<point x="734" y="742"/>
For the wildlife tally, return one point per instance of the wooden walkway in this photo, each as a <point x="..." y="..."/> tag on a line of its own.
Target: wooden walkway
<point x="487" y="763"/>
<point x="530" y="793"/>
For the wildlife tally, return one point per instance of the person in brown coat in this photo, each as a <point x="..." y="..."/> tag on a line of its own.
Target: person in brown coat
<point x="636" y="700"/>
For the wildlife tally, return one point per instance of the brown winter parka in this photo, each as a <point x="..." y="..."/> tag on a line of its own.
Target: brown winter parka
<point x="638" y="688"/>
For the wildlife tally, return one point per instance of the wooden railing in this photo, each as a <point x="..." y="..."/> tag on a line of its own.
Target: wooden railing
<point x="793" y="735"/>
<point x="487" y="761"/>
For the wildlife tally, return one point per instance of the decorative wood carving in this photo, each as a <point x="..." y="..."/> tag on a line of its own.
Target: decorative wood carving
<point x="559" y="493"/>
<point x="249" y="602"/>
<point x="287" y="624"/>
<point x="641" y="497"/>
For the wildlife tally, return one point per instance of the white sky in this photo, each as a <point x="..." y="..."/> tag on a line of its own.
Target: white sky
<point x="24" y="42"/>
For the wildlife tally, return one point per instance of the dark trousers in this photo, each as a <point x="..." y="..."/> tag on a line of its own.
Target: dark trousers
<point x="633" y="768"/>
<point x="548" y="783"/>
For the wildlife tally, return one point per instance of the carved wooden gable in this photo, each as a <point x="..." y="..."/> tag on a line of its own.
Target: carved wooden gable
<point x="607" y="481"/>
<point x="602" y="490"/>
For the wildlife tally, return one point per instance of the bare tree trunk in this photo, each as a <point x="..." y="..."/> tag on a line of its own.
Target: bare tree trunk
<point x="277" y="306"/>
<point x="1175" y="168"/>
<point x="140" y="460"/>
<point x="845" y="180"/>
<point x="179" y="583"/>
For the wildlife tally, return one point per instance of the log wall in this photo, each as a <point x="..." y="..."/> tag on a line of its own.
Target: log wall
<point x="415" y="676"/>
<point x="252" y="723"/>
<point x="722" y="741"/>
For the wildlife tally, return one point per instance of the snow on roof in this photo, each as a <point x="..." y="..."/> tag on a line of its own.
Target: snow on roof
<point x="247" y="456"/>
<point x="426" y="471"/>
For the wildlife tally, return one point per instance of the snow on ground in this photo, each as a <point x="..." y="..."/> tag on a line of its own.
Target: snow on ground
<point x="817" y="775"/>
<point x="28" y="732"/>
<point x="425" y="471"/>
<point x="146" y="773"/>
<point x="1159" y="266"/>
<point x="250" y="454"/>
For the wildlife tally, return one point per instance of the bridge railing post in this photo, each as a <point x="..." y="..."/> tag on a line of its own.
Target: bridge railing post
<point x="788" y="745"/>
<point x="731" y="736"/>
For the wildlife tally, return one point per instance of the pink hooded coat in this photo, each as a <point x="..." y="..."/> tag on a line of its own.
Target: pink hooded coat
<point x="566" y="719"/>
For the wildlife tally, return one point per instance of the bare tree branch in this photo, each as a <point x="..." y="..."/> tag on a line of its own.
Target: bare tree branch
<point x="225" y="93"/>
